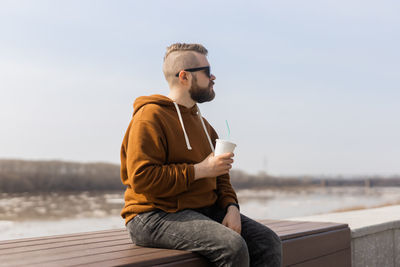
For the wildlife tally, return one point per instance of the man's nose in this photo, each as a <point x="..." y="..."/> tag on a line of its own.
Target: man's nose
<point x="212" y="78"/>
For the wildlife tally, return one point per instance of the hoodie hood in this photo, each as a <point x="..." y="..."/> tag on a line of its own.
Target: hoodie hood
<point x="167" y="102"/>
<point x="161" y="101"/>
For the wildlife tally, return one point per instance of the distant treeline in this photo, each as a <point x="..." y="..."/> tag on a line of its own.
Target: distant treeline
<point x="242" y="180"/>
<point x="49" y="176"/>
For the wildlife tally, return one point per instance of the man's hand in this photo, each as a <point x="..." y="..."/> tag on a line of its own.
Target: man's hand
<point x="232" y="219"/>
<point x="213" y="166"/>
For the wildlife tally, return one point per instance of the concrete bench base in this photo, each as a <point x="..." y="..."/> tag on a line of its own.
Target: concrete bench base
<point x="375" y="234"/>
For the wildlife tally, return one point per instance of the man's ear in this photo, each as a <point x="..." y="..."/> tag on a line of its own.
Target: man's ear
<point x="183" y="75"/>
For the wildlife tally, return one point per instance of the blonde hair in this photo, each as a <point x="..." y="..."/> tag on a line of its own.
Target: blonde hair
<point x="186" y="47"/>
<point x="180" y="56"/>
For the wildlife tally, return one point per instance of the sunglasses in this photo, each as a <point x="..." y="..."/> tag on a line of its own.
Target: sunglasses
<point x="207" y="71"/>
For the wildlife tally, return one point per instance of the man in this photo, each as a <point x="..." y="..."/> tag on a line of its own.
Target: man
<point x="178" y="193"/>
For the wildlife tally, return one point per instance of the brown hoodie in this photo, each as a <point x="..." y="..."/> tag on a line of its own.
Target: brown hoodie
<point x="158" y="154"/>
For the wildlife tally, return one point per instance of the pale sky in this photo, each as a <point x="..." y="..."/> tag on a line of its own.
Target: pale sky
<point x="308" y="87"/>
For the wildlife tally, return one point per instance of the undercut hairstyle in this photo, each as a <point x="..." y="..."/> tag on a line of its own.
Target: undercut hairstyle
<point x="181" y="56"/>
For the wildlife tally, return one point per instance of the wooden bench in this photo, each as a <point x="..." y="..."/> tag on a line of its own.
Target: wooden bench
<point x="304" y="244"/>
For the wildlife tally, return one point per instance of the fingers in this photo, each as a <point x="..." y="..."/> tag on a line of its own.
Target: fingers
<point x="226" y="156"/>
<point x="218" y="165"/>
<point x="225" y="159"/>
<point x="228" y="161"/>
<point x="224" y="164"/>
<point x="236" y="228"/>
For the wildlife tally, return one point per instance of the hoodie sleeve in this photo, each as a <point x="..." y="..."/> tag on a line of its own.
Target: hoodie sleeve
<point x="225" y="192"/>
<point x="145" y="157"/>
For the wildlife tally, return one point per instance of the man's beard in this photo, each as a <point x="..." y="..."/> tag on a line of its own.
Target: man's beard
<point x="201" y="94"/>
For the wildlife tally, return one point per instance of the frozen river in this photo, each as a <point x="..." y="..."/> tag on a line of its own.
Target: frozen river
<point x="31" y="215"/>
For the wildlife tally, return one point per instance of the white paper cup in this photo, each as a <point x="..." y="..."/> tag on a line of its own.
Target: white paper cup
<point x="223" y="146"/>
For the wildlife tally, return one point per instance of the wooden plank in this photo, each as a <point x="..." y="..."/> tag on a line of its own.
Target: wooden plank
<point x="89" y="258"/>
<point x="315" y="225"/>
<point x="194" y="261"/>
<point x="308" y="229"/>
<point x="198" y="261"/>
<point x="299" y="225"/>
<point x="293" y="229"/>
<point x="282" y="224"/>
<point x="165" y="257"/>
<point x="66" y="251"/>
<point x="272" y="222"/>
<point x="48" y="256"/>
<point x="57" y="239"/>
<point x="21" y="240"/>
<point x="300" y="249"/>
<point x="157" y="256"/>
<point x="60" y="244"/>
<point x="340" y="258"/>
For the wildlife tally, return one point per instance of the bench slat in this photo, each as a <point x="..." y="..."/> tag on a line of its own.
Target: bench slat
<point x="306" y="229"/>
<point x="155" y="256"/>
<point x="22" y="240"/>
<point x="194" y="261"/>
<point x="62" y="244"/>
<point x="66" y="251"/>
<point x="58" y="239"/>
<point x="340" y="258"/>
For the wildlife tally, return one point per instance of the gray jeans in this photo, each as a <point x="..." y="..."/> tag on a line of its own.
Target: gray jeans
<point x="201" y="231"/>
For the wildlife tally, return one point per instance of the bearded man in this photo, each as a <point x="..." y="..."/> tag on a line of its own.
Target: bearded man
<point x="178" y="194"/>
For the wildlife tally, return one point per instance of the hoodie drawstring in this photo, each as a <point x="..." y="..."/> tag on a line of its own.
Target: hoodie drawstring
<point x="205" y="130"/>
<point x="183" y="127"/>
<point x="184" y="131"/>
